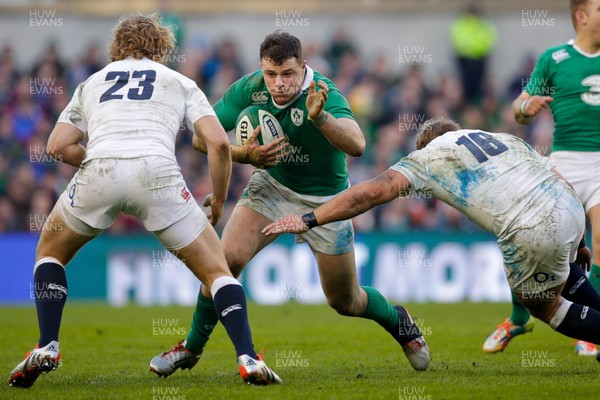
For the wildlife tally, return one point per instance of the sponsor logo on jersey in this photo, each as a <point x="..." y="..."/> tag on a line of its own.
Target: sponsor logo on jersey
<point x="591" y="97"/>
<point x="297" y="116"/>
<point x="185" y="194"/>
<point x="230" y="309"/>
<point x="560" y="55"/>
<point x="259" y="97"/>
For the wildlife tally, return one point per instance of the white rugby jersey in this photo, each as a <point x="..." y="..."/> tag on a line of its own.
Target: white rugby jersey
<point x="134" y="108"/>
<point x="495" y="179"/>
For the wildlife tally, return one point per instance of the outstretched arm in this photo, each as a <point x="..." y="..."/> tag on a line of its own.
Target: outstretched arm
<point x="352" y="202"/>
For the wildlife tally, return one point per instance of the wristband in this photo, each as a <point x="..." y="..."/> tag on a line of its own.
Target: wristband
<point x="582" y="244"/>
<point x="321" y="119"/>
<point x="522" y="109"/>
<point x="310" y="220"/>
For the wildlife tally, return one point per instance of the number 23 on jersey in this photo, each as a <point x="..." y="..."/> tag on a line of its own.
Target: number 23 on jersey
<point x="142" y="91"/>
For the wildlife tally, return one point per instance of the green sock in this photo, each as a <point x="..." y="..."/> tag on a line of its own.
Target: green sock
<point x="595" y="277"/>
<point x="379" y="310"/>
<point x="204" y="321"/>
<point x="519" y="315"/>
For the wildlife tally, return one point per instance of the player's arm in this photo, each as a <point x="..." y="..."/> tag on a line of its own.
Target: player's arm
<point x="526" y="107"/>
<point x="213" y="135"/>
<point x="354" y="201"/>
<point x="63" y="144"/>
<point x="343" y="133"/>
<point x="530" y="103"/>
<point x="228" y="108"/>
<point x="260" y="156"/>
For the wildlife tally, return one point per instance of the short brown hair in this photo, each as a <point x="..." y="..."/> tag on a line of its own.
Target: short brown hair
<point x="433" y="128"/>
<point x="279" y="47"/>
<point x="139" y="36"/>
<point x="574" y="6"/>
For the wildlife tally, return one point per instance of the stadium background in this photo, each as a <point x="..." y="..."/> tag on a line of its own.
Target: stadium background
<point x="392" y="59"/>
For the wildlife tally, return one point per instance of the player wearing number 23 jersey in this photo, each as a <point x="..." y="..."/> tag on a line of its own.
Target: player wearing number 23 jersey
<point x="131" y="112"/>
<point x="127" y="113"/>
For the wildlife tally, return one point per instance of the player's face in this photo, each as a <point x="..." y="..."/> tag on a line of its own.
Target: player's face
<point x="592" y="26"/>
<point x="283" y="81"/>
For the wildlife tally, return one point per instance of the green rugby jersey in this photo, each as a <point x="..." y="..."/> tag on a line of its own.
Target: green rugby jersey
<point x="313" y="166"/>
<point x="572" y="78"/>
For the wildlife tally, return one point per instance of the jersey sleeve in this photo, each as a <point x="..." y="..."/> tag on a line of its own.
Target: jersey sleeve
<point x="73" y="112"/>
<point x="412" y="167"/>
<point x="196" y="106"/>
<point x="336" y="104"/>
<point x="539" y="79"/>
<point x="229" y="107"/>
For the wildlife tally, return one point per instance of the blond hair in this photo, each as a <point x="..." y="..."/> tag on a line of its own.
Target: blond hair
<point x="139" y="36"/>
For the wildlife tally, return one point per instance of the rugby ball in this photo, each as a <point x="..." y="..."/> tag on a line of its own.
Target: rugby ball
<point x="250" y="118"/>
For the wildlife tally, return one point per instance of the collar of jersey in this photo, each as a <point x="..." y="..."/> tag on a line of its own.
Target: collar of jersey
<point x="583" y="53"/>
<point x="310" y="74"/>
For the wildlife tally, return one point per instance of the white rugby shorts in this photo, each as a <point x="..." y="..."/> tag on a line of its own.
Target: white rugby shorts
<point x="582" y="170"/>
<point x="149" y="188"/>
<point x="273" y="200"/>
<point x="537" y="258"/>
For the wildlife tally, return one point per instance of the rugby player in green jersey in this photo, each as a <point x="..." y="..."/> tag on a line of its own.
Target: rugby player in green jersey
<point x="320" y="131"/>
<point x="566" y="79"/>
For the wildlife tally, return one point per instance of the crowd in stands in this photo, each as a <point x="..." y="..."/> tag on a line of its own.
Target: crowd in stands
<point x="389" y="107"/>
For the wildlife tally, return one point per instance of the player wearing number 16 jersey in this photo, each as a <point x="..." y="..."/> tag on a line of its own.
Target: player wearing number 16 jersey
<point x="566" y="79"/>
<point x="131" y="112"/>
<point x="507" y="188"/>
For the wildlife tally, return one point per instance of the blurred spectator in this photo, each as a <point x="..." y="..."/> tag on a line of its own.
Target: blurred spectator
<point x="520" y="80"/>
<point x="224" y="60"/>
<point x="8" y="75"/>
<point x="24" y="113"/>
<point x="473" y="39"/>
<point x="340" y="45"/>
<point x="315" y="59"/>
<point x="171" y="18"/>
<point x="89" y="64"/>
<point x="52" y="57"/>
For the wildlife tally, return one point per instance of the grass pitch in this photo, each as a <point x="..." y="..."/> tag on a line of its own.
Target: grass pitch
<point x="318" y="354"/>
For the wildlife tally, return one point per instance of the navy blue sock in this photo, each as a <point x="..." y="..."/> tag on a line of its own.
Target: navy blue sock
<point x="230" y="304"/>
<point x="578" y="289"/>
<point x="406" y="329"/>
<point x="581" y="322"/>
<point x="50" y="288"/>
